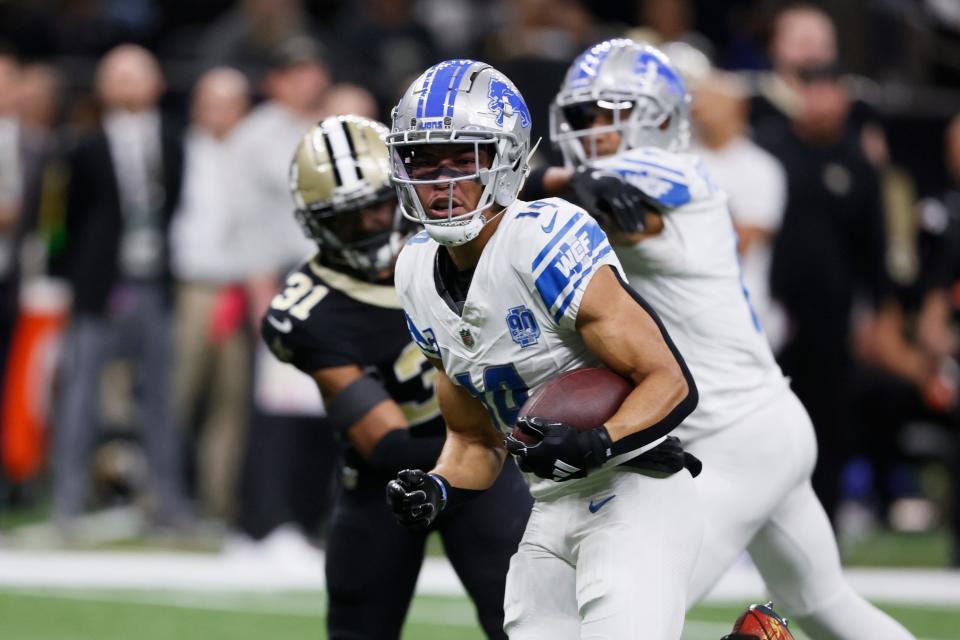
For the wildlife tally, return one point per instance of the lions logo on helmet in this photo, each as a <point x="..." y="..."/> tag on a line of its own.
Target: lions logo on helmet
<point x="504" y="101"/>
<point x="340" y="177"/>
<point x="467" y="103"/>
<point x="635" y="84"/>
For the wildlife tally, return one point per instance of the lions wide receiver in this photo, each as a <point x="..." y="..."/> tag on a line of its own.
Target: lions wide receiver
<point x="621" y="117"/>
<point x="339" y="320"/>
<point x="503" y="295"/>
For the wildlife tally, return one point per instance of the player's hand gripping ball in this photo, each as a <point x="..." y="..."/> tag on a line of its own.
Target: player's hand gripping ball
<point x="559" y="433"/>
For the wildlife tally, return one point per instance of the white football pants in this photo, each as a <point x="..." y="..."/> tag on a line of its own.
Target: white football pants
<point x="611" y="561"/>
<point x="756" y="495"/>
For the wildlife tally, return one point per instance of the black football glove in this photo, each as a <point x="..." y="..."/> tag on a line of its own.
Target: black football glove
<point x="611" y="200"/>
<point x="415" y="498"/>
<point x="563" y="453"/>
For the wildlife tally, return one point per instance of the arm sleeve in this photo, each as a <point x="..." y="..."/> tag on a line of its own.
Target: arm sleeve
<point x="398" y="450"/>
<point x="559" y="255"/>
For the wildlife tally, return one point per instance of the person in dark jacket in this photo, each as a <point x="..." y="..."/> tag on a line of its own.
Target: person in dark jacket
<point x="124" y="181"/>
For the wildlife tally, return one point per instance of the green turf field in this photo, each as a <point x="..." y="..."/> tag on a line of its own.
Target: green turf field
<point x="152" y="615"/>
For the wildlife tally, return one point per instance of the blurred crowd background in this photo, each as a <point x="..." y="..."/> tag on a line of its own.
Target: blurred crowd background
<point x="145" y="224"/>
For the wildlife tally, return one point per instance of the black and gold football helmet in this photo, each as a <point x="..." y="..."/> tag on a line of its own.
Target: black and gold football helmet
<point x="345" y="201"/>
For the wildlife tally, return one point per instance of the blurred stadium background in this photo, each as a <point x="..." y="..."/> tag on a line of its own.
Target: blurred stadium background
<point x="221" y="533"/>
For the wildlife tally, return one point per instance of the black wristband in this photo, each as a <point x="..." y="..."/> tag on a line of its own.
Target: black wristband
<point x="454" y="496"/>
<point x="603" y="435"/>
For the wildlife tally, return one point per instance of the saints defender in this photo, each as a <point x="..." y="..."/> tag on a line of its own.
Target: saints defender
<point x="502" y="296"/>
<point x="621" y="119"/>
<point x="339" y="320"/>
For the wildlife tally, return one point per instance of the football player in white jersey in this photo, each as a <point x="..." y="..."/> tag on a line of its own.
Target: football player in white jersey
<point x="502" y="296"/>
<point x="621" y="121"/>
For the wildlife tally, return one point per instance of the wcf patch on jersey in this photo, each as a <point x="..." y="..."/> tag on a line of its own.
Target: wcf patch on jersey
<point x="523" y="326"/>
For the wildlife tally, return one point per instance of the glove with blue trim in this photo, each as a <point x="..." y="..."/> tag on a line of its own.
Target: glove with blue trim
<point x="416" y="498"/>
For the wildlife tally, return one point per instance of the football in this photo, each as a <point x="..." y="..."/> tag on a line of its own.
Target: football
<point x="582" y="398"/>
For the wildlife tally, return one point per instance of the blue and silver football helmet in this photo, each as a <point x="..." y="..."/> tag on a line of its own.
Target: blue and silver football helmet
<point x="648" y="102"/>
<point x="467" y="103"/>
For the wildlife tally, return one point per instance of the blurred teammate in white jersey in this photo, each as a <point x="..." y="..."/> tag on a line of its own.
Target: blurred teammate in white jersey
<point x="621" y="120"/>
<point x="502" y="296"/>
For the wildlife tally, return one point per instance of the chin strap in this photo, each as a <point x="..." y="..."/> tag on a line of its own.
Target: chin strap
<point x="487" y="221"/>
<point x="470" y="230"/>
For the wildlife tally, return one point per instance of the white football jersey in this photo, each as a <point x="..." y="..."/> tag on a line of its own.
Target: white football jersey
<point x="690" y="274"/>
<point x="518" y="326"/>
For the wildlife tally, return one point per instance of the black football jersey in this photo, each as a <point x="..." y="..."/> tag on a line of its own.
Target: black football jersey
<point x="324" y="318"/>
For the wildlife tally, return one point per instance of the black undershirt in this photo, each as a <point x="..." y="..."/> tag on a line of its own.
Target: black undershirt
<point x="452" y="284"/>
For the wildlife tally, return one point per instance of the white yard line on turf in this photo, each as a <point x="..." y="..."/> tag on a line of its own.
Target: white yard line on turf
<point x="211" y="572"/>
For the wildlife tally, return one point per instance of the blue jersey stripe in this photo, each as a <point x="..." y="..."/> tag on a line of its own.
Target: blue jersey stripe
<point x="557" y="238"/>
<point x="549" y="285"/>
<point x="439" y="89"/>
<point x="566" y="301"/>
<point x="452" y="96"/>
<point x="595" y="235"/>
<point x="576" y="285"/>
<point x="678" y="194"/>
<point x="564" y="266"/>
<point x="654" y="165"/>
